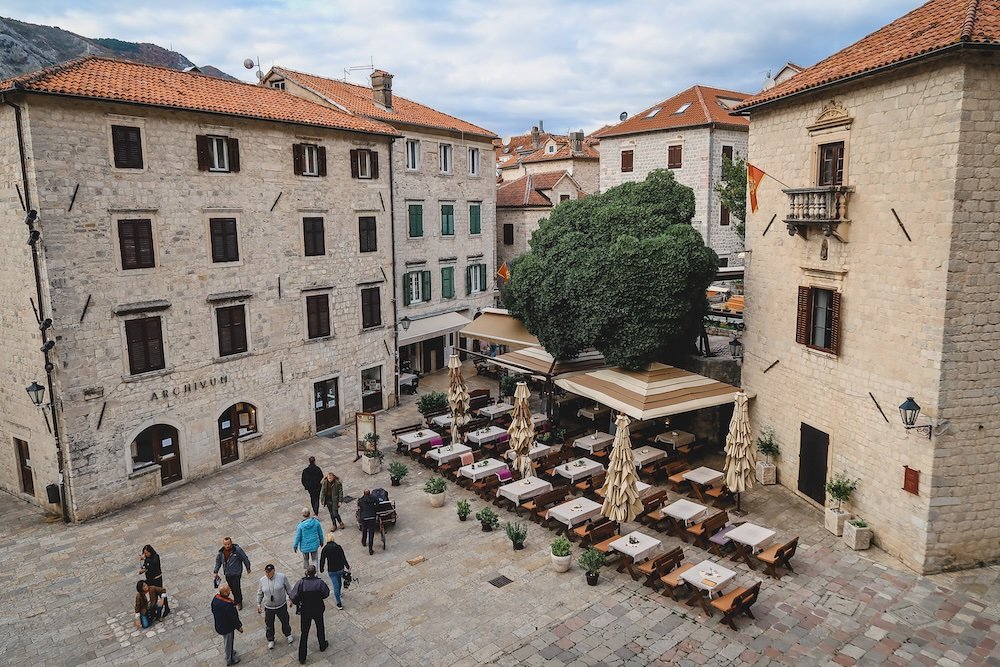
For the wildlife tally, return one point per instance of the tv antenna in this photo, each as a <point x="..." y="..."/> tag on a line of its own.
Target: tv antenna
<point x="370" y="67"/>
<point x="249" y="64"/>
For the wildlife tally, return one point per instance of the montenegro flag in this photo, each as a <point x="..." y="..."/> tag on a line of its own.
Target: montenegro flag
<point x="754" y="177"/>
<point x="504" y="272"/>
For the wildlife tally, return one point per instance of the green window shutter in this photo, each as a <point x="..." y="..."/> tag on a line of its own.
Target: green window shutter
<point x="482" y="278"/>
<point x="406" y="289"/>
<point x="475" y="221"/>
<point x="447" y="219"/>
<point x="468" y="280"/>
<point x="448" y="282"/>
<point x="416" y="220"/>
<point x="425" y="285"/>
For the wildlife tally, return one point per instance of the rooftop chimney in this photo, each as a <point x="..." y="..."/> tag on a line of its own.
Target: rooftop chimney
<point x="541" y="126"/>
<point x="576" y="141"/>
<point x="535" y="136"/>
<point x="382" y="88"/>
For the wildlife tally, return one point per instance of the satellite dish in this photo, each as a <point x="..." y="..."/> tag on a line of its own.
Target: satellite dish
<point x="260" y="75"/>
<point x="623" y="115"/>
<point x="248" y="63"/>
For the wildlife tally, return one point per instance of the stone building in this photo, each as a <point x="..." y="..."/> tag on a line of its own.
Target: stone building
<point x="689" y="134"/>
<point x="577" y="156"/>
<point x="213" y="265"/>
<point x="521" y="204"/>
<point x="443" y="210"/>
<point x="885" y="285"/>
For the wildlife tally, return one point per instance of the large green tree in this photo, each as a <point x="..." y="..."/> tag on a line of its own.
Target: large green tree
<point x="732" y="191"/>
<point x="622" y="271"/>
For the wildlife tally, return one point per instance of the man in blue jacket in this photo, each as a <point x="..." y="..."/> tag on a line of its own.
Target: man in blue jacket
<point x="308" y="538"/>
<point x="227" y="621"/>
<point x="231" y="558"/>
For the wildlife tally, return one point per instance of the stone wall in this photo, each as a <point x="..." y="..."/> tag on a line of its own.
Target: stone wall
<point x="584" y="172"/>
<point x="525" y="221"/>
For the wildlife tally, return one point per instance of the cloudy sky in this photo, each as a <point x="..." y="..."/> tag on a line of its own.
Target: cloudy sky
<point x="503" y="65"/>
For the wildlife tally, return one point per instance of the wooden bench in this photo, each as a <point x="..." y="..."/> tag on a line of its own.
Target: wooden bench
<point x="650" y="504"/>
<point x="675" y="475"/>
<point x="584" y="530"/>
<point x="778" y="556"/>
<point x="479" y="398"/>
<point x="592" y="485"/>
<point x="669" y="574"/>
<point x="651" y="567"/>
<point x="604" y="531"/>
<point x="429" y="417"/>
<point x="543" y="501"/>
<point x="735" y="603"/>
<point x="708" y="527"/>
<point x="720" y="496"/>
<point x="602" y="541"/>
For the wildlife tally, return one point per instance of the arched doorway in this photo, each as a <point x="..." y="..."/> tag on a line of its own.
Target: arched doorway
<point x="159" y="444"/>
<point x="237" y="421"/>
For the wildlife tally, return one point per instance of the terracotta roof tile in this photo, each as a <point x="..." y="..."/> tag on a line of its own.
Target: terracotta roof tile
<point x="122" y="81"/>
<point x="563" y="153"/>
<point x="932" y="27"/>
<point x="695" y="107"/>
<point x="527" y="190"/>
<point x="522" y="143"/>
<point x="357" y="99"/>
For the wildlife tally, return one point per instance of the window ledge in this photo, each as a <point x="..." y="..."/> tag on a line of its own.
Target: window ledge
<point x="139" y="377"/>
<point x="319" y="339"/>
<point x="145" y="470"/>
<point x="377" y="327"/>
<point x="250" y="436"/>
<point x="232" y="357"/>
<point x="820" y="352"/>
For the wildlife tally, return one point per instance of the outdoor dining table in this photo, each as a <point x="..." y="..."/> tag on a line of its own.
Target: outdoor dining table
<point x="488" y="434"/>
<point x="594" y="442"/>
<point x="414" y="439"/>
<point x="444" y="421"/>
<point x="750" y="539"/>
<point x="593" y="413"/>
<point x="644" y="455"/>
<point x="523" y="489"/>
<point x="406" y="379"/>
<point x="575" y="511"/>
<point x="704" y="476"/>
<point x="706" y="579"/>
<point x="675" y="438"/>
<point x="684" y="510"/>
<point x="537" y="451"/>
<point x="495" y="410"/>
<point x="481" y="469"/>
<point x="638" y="547"/>
<point x="448" y="452"/>
<point x="538" y="419"/>
<point x="641" y="487"/>
<point x="579" y="469"/>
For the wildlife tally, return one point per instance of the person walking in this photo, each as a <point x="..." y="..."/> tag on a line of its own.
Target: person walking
<point x="151" y="566"/>
<point x="308" y="594"/>
<point x="367" y="514"/>
<point x="312" y="477"/>
<point x="272" y="595"/>
<point x="231" y="558"/>
<point x="150" y="604"/>
<point x="331" y="494"/>
<point x="308" y="538"/>
<point x="227" y="621"/>
<point x="334" y="561"/>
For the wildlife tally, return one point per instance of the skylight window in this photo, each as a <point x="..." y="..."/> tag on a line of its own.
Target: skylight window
<point x="653" y="112"/>
<point x="682" y="108"/>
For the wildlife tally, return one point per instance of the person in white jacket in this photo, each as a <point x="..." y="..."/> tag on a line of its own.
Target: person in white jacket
<point x="272" y="599"/>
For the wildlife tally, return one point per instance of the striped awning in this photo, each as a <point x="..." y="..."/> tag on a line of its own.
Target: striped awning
<point x="658" y="391"/>
<point x="537" y="361"/>
<point x="496" y="325"/>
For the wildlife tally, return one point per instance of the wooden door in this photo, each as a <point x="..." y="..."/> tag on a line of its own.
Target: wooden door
<point x="166" y="446"/>
<point x="24" y="467"/>
<point x="327" y="404"/>
<point x="814" y="446"/>
<point x="229" y="436"/>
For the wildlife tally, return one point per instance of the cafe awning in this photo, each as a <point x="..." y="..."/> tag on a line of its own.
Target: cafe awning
<point x="657" y="391"/>
<point x="496" y="325"/>
<point x="432" y="327"/>
<point x="537" y="361"/>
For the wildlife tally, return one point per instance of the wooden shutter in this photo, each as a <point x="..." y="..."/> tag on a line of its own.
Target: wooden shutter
<point x="119" y="144"/>
<point x="674" y="157"/>
<point x="406" y="289"/>
<point x="723" y="216"/>
<point x="367" y="234"/>
<point x="627" y="158"/>
<point x="297" y="159"/>
<point x="425" y="285"/>
<point x="318" y="315"/>
<point x="314" y="239"/>
<point x="232" y="330"/>
<point x="321" y="160"/>
<point x="727" y="153"/>
<point x="482" y="278"/>
<point x="374" y="155"/>
<point x="354" y="163"/>
<point x="508" y="233"/>
<point x="802" y="317"/>
<point x="468" y="280"/>
<point x="144" y="338"/>
<point x="416" y="220"/>
<point x="234" y="154"/>
<point x="127" y="145"/>
<point x="204" y="159"/>
<point x="835" y="302"/>
<point x="448" y="282"/>
<point x="475" y="219"/>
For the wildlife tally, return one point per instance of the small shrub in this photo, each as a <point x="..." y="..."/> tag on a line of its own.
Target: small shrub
<point x="463" y="508"/>
<point x="560" y="546"/>
<point x="858" y="523"/>
<point x="397" y="470"/>
<point x="766" y="444"/>
<point x="435" y="485"/>
<point x="517" y="532"/>
<point x="432" y="402"/>
<point x="508" y="385"/>
<point x="592" y="560"/>
<point x="840" y="488"/>
<point x="488" y="516"/>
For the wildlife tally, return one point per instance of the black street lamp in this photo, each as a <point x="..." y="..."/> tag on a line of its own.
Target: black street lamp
<point x="909" y="411"/>
<point x="37" y="393"/>
<point x="736" y="348"/>
<point x="405" y="323"/>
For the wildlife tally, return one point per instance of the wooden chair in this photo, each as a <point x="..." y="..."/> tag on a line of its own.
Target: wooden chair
<point x="479" y="398"/>
<point x="604" y="545"/>
<point x="652" y="566"/>
<point x="651" y="503"/>
<point x="543" y="501"/>
<point x="778" y="556"/>
<point x="605" y="531"/>
<point x="720" y="496"/>
<point x="675" y="475"/>
<point x="486" y="487"/>
<point x="708" y="527"/>
<point x="735" y="603"/>
<point x="401" y="447"/>
<point x="670" y="575"/>
<point x="592" y="485"/>
<point x="584" y="530"/>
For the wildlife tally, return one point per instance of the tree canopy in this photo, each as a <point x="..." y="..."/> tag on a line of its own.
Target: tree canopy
<point x="623" y="272"/>
<point x="732" y="191"/>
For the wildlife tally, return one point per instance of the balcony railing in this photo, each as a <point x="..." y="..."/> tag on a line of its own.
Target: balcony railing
<point x="823" y="207"/>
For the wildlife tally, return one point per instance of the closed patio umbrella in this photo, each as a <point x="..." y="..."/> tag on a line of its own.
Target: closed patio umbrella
<point x="458" y="397"/>
<point x="621" y="496"/>
<point x="522" y="431"/>
<point x="741" y="459"/>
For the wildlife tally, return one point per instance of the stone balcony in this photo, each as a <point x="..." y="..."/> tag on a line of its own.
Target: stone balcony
<point x="822" y="208"/>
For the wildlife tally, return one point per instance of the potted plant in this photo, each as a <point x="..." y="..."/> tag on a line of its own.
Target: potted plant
<point x="508" y="385"/>
<point x="371" y="462"/>
<point x="558" y="435"/>
<point x="857" y="534"/>
<point x="434" y="488"/>
<point x="397" y="471"/>
<point x="517" y="532"/>
<point x="561" y="559"/>
<point x="592" y="561"/>
<point x="463" y="508"/>
<point x="434" y="401"/>
<point x="767" y="471"/>
<point x="488" y="518"/>
<point x="839" y="488"/>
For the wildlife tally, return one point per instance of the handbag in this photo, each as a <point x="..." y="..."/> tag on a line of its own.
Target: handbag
<point x="348" y="578"/>
<point x="216" y="581"/>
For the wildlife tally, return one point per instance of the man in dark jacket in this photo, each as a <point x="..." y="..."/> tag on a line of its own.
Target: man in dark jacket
<point x="231" y="558"/>
<point x="227" y="621"/>
<point x="367" y="513"/>
<point x="308" y="594"/>
<point x="312" y="479"/>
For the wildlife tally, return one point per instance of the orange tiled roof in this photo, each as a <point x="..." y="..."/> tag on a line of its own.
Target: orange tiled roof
<point x="701" y="104"/>
<point x="527" y="190"/>
<point x="521" y="143"/>
<point x="357" y="99"/>
<point x="122" y="81"/>
<point x="563" y="153"/>
<point x="932" y="27"/>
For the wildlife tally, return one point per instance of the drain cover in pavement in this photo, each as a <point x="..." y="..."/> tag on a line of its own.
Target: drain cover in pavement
<point x="501" y="581"/>
<point x="839" y="604"/>
<point x="912" y="615"/>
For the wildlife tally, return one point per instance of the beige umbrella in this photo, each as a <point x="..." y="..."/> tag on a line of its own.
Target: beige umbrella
<point x="621" y="497"/>
<point x="741" y="459"/>
<point x="522" y="431"/>
<point x="458" y="397"/>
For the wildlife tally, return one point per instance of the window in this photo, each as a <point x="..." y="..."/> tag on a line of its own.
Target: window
<point x="220" y="154"/>
<point x="415" y="214"/>
<point x="447" y="219"/>
<point x="444" y="156"/>
<point x="831" y="164"/>
<point x="313" y="237"/>
<point x="364" y="163"/>
<point x="232" y="326"/>
<point x="475" y="218"/>
<point x="371" y="307"/>
<point x="448" y="282"/>
<point x="127" y="144"/>
<point x="367" y="233"/>
<point x="508" y="233"/>
<point x="308" y="160"/>
<point x="416" y="287"/>
<point x="627" y="157"/>
<point x="818" y="321"/>
<point x="653" y="113"/>
<point x="563" y="198"/>
<point x="144" y="338"/>
<point x="727" y="153"/>
<point x="674" y="157"/>
<point x="475" y="278"/>
<point x="473" y="162"/>
<point x="551" y="148"/>
<point x="135" y="238"/>
<point x="682" y="108"/>
<point x="225" y="244"/>
<point x="723" y="216"/>
<point x="278" y="85"/>
<point x="412" y="154"/>
<point x="318" y="315"/>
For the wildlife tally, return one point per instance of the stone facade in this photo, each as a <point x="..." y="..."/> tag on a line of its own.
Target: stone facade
<point x="102" y="407"/>
<point x="584" y="171"/>
<point x="524" y="220"/>
<point x="918" y="317"/>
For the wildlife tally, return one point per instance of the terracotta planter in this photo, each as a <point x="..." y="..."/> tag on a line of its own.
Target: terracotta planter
<point x="835" y="520"/>
<point x="437" y="499"/>
<point x="592" y="578"/>
<point x="767" y="473"/>
<point x="561" y="563"/>
<point x="857" y="538"/>
<point x="371" y="465"/>
<point x="394" y="481"/>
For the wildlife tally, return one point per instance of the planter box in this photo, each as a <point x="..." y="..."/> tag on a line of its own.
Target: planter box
<point x="835" y="520"/>
<point x="437" y="499"/>
<point x="857" y="538"/>
<point x="767" y="473"/>
<point x="371" y="465"/>
<point x="561" y="563"/>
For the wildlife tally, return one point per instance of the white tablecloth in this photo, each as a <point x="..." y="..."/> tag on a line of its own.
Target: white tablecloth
<point x="643" y="455"/>
<point x="704" y="476"/>
<point x="708" y="576"/>
<point x="685" y="510"/>
<point x="644" y="547"/>
<point x="406" y="379"/>
<point x="594" y="442"/>
<point x="482" y="435"/>
<point x="448" y="452"/>
<point x="675" y="438"/>
<point x="574" y="512"/>
<point x="444" y="421"/>
<point x="495" y="410"/>
<point x="414" y="439"/>
<point x="523" y="489"/>
<point x="538" y="419"/>
<point x="481" y="469"/>
<point x="593" y="414"/>
<point x="537" y="451"/>
<point x="574" y="472"/>
<point x="751" y="535"/>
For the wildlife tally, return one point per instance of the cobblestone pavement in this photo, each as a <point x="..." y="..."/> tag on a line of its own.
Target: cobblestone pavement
<point x="66" y="592"/>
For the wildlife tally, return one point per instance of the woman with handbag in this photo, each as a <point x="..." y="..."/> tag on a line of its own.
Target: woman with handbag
<point x="151" y="566"/>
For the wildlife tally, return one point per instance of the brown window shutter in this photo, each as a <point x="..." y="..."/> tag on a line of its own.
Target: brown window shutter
<point x="201" y="141"/>
<point x="234" y="154"/>
<point x="374" y="155"/>
<point x="802" y="318"/>
<point x="627" y="157"/>
<point x="727" y="153"/>
<point x="297" y="159"/>
<point x="321" y="160"/>
<point x="835" y="322"/>
<point x="354" y="163"/>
